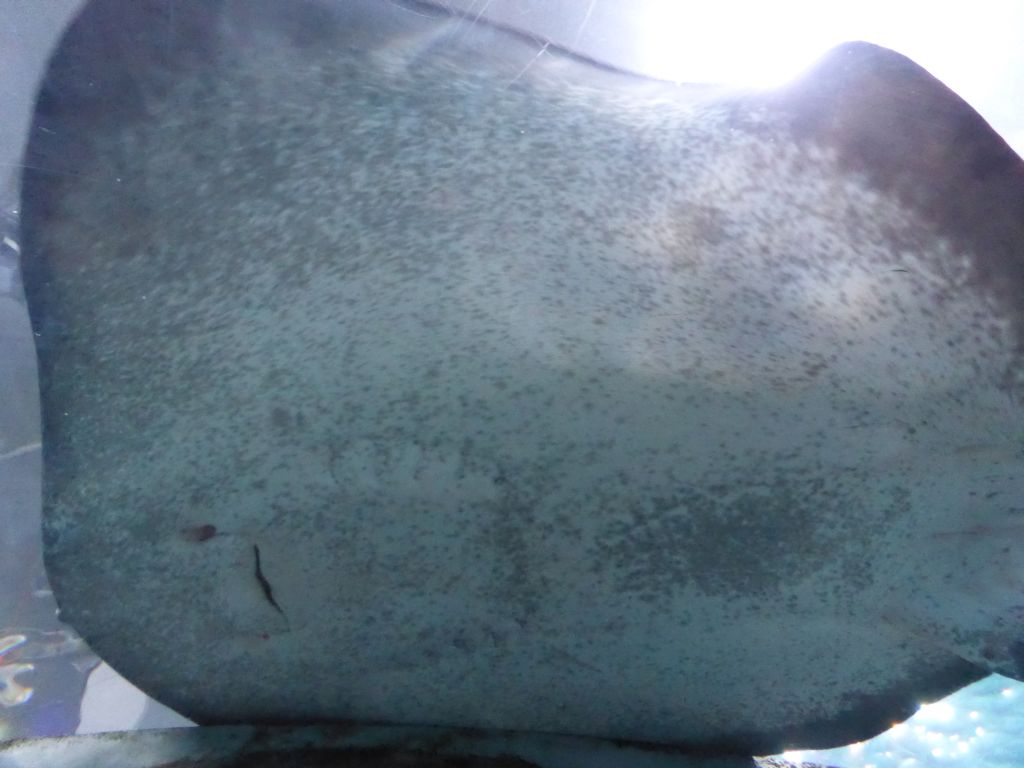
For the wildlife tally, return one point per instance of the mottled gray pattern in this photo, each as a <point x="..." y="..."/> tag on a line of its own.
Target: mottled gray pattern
<point x="553" y="399"/>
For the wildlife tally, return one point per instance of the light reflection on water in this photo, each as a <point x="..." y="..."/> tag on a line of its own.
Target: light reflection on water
<point x="978" y="726"/>
<point x="12" y="692"/>
<point x="42" y="676"/>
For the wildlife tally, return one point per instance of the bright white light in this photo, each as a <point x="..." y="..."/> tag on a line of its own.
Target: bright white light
<point x="974" y="714"/>
<point x="750" y="44"/>
<point x="940" y="711"/>
<point x="764" y="44"/>
<point x="1008" y="693"/>
<point x="688" y="42"/>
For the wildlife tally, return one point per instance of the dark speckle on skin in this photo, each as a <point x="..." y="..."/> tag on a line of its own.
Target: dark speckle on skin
<point x="199" y="533"/>
<point x="652" y="548"/>
<point x="279" y="418"/>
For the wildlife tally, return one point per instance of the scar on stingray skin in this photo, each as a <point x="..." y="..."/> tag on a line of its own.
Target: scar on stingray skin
<point x="268" y="592"/>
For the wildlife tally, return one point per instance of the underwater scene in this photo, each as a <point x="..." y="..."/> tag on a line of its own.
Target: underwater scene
<point x="462" y="364"/>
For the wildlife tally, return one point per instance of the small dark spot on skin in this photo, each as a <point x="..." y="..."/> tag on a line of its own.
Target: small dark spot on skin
<point x="199" y="533"/>
<point x="814" y="369"/>
<point x="279" y="418"/>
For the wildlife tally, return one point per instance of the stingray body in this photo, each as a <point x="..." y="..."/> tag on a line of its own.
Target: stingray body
<point x="399" y="368"/>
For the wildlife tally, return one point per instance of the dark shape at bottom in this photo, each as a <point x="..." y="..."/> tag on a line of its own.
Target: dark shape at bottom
<point x="343" y="747"/>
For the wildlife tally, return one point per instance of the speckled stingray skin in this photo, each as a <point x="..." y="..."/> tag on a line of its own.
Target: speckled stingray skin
<point x="395" y="371"/>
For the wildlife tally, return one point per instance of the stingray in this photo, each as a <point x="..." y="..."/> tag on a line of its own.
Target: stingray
<point x="402" y="368"/>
